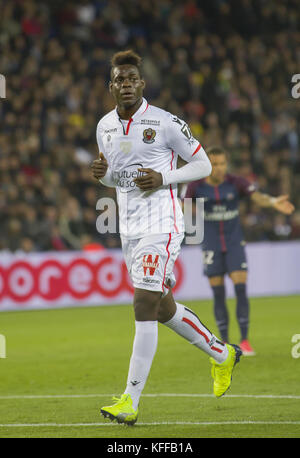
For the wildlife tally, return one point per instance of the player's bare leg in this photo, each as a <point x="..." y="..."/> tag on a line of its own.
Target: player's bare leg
<point x="239" y="276"/>
<point x="216" y="281"/>
<point x="239" y="279"/>
<point x="220" y="307"/>
<point x="167" y="308"/>
<point x="146" y="304"/>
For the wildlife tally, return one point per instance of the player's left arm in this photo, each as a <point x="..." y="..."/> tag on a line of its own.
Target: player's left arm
<point x="180" y="139"/>
<point x="280" y="203"/>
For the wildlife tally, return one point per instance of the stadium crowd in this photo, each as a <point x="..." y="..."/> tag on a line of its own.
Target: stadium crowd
<point x="223" y="66"/>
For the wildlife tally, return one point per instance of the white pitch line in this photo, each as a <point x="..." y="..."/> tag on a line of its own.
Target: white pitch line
<point x="156" y="395"/>
<point x="166" y="423"/>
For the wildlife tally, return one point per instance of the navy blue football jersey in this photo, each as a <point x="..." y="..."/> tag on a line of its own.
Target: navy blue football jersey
<point x="222" y="228"/>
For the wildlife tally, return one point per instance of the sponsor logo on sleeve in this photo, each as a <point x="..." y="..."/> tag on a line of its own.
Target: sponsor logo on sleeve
<point x="251" y="188"/>
<point x="185" y="130"/>
<point x="175" y="119"/>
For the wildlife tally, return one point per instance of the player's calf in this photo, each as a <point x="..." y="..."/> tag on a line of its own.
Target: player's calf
<point x="188" y="325"/>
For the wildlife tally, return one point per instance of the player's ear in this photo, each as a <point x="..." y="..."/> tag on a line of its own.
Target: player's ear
<point x="143" y="83"/>
<point x="110" y="86"/>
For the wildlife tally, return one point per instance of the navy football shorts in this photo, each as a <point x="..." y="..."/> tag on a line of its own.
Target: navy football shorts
<point x="217" y="263"/>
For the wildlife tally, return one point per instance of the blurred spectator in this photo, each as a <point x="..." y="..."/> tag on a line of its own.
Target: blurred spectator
<point x="230" y="82"/>
<point x="295" y="225"/>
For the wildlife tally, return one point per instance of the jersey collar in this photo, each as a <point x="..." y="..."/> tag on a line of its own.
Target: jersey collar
<point x="139" y="112"/>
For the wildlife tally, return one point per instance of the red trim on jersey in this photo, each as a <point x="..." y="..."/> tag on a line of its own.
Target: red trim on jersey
<point x="146" y="108"/>
<point x="221" y="224"/>
<point x="173" y="202"/>
<point x="128" y="125"/>
<point x="172" y="197"/>
<point x="196" y="150"/>
<point x="167" y="249"/>
<point x="186" y="320"/>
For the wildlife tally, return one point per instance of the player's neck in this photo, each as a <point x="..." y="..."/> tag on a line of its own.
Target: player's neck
<point x="128" y="112"/>
<point x="214" y="181"/>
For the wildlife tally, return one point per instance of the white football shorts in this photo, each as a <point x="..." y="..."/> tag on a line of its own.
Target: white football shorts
<point x="150" y="260"/>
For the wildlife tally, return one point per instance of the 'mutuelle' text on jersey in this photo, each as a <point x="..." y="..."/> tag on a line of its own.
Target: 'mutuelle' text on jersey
<point x="152" y="138"/>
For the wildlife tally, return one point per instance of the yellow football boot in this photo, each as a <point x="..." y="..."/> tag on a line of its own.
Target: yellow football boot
<point x="222" y="373"/>
<point x="122" y="410"/>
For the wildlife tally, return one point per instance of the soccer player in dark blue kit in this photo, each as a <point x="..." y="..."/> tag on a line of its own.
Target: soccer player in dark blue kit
<point x="223" y="245"/>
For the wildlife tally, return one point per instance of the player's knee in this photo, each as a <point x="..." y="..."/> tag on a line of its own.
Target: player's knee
<point x="167" y="308"/>
<point x="238" y="276"/>
<point x="146" y="305"/>
<point x="216" y="281"/>
<point x="163" y="314"/>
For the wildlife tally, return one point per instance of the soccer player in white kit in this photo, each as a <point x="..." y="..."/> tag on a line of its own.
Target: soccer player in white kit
<point x="138" y="148"/>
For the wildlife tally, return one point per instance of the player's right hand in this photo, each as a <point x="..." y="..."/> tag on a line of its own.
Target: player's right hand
<point x="99" y="167"/>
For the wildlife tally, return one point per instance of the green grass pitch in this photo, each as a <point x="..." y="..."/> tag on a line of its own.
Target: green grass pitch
<point x="63" y="365"/>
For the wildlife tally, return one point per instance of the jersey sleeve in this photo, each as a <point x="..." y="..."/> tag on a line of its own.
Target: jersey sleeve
<point x="181" y="141"/>
<point x="244" y="186"/>
<point x="180" y="138"/>
<point x="100" y="143"/>
<point x="107" y="180"/>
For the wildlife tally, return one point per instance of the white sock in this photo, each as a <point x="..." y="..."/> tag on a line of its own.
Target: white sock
<point x="187" y="324"/>
<point x="144" y="348"/>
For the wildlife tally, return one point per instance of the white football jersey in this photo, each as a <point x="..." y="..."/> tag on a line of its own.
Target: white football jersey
<point x="152" y="138"/>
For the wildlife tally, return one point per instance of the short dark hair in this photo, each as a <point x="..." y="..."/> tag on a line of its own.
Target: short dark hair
<point x="128" y="57"/>
<point x="216" y="150"/>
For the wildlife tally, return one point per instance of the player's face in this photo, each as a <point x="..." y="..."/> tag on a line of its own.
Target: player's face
<point x="126" y="85"/>
<point x="219" y="166"/>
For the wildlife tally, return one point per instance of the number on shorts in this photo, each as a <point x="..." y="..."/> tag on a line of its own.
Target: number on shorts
<point x="208" y="257"/>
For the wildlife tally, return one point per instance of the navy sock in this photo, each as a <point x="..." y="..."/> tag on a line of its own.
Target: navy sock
<point x="242" y="309"/>
<point x="220" y="311"/>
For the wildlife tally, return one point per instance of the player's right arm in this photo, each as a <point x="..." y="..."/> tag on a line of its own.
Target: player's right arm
<point x="100" y="167"/>
<point x="280" y="203"/>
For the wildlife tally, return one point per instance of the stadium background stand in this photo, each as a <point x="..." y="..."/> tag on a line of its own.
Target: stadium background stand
<point x="223" y="66"/>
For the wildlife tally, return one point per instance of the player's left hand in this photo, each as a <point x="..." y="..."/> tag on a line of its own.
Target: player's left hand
<point x="283" y="205"/>
<point x="149" y="180"/>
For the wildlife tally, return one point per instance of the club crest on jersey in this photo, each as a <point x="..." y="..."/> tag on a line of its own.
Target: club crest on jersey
<point x="149" y="135"/>
<point x="149" y="264"/>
